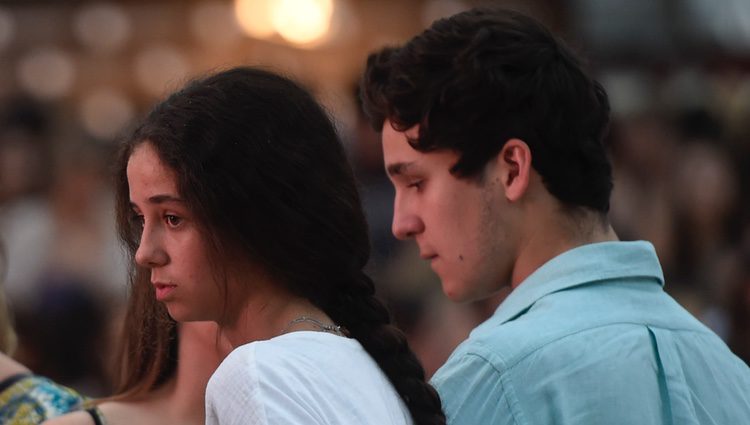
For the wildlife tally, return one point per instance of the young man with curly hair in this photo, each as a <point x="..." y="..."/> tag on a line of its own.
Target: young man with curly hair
<point x="492" y="135"/>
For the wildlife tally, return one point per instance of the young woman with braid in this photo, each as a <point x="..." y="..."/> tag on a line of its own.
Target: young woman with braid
<point x="239" y="206"/>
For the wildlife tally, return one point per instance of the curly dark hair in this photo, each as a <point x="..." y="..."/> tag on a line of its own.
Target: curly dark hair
<point x="479" y="78"/>
<point x="261" y="167"/>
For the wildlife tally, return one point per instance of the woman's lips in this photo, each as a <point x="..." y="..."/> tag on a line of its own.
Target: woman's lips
<point x="163" y="290"/>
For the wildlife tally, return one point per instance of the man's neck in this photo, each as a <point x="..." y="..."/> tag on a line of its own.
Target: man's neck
<point x="554" y="234"/>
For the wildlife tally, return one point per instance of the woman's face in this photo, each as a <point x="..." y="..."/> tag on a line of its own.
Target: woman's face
<point x="172" y="246"/>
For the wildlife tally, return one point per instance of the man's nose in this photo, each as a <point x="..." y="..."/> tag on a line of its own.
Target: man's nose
<point x="406" y="224"/>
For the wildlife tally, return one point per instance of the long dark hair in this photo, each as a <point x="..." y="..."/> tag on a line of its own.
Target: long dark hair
<point x="261" y="167"/>
<point x="147" y="348"/>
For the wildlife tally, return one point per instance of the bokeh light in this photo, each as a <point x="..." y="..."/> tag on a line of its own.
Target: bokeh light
<point x="102" y="27"/>
<point x="46" y="73"/>
<point x="105" y="112"/>
<point x="160" y="68"/>
<point x="254" y="17"/>
<point x="302" y="21"/>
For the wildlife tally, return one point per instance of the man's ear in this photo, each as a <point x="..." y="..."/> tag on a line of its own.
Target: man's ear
<point x="514" y="166"/>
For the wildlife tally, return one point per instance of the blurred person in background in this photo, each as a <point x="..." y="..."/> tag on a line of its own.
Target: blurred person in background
<point x="27" y="161"/>
<point x="492" y="134"/>
<point x="26" y="398"/>
<point x="64" y="264"/>
<point x="739" y="310"/>
<point x="643" y="147"/>
<point x="375" y="189"/>
<point x="63" y="335"/>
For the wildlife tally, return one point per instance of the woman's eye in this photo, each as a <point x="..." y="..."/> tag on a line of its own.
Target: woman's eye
<point x="137" y="220"/>
<point x="173" y="220"/>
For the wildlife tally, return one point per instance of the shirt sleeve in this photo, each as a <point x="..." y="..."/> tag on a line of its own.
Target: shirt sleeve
<point x="250" y="388"/>
<point x="474" y="391"/>
<point x="232" y="394"/>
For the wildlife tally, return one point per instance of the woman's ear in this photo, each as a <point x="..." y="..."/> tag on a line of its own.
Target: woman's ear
<point x="514" y="166"/>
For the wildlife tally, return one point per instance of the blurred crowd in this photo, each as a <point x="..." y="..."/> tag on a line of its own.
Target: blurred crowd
<point x="681" y="150"/>
<point x="680" y="144"/>
<point x="65" y="274"/>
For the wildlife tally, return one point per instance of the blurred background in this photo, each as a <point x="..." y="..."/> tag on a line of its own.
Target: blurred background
<point x="75" y="75"/>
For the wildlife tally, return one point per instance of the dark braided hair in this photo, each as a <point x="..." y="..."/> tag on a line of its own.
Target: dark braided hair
<point x="482" y="77"/>
<point x="261" y="167"/>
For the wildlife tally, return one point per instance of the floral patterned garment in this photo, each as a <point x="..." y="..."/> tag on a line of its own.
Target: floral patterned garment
<point x="29" y="399"/>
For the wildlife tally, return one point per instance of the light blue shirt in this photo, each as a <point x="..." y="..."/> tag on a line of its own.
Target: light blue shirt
<point x="592" y="338"/>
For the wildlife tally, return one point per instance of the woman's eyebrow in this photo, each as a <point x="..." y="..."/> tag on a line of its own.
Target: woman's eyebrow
<point x="160" y="199"/>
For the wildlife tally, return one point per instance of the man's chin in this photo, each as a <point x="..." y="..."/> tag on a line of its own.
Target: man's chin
<point x="456" y="293"/>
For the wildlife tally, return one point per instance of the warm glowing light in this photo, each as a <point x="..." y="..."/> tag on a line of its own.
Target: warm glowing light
<point x="302" y="21"/>
<point x="254" y="17"/>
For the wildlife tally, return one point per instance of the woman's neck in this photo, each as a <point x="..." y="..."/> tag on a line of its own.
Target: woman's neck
<point x="263" y="319"/>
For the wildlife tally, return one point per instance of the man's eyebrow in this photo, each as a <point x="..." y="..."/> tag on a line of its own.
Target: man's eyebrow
<point x="398" y="168"/>
<point x="160" y="199"/>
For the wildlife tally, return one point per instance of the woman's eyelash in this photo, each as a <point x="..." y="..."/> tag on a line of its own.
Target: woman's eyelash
<point x="137" y="219"/>
<point x="173" y="220"/>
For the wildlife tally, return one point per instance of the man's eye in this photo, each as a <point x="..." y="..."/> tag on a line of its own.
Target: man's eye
<point x="416" y="184"/>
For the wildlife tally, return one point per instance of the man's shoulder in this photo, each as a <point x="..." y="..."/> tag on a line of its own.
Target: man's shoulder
<point x="569" y="328"/>
<point x="606" y="338"/>
<point x="496" y="347"/>
<point x="561" y="321"/>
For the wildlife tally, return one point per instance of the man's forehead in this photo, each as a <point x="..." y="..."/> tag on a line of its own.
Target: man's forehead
<point x="398" y="155"/>
<point x="413" y="132"/>
<point x="410" y="133"/>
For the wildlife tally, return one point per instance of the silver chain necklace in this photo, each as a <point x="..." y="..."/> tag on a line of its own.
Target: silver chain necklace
<point x="332" y="328"/>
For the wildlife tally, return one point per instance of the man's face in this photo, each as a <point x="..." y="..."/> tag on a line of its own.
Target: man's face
<point x="458" y="224"/>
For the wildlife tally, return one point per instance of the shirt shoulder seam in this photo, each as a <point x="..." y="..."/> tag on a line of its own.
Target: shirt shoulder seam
<point x="480" y="350"/>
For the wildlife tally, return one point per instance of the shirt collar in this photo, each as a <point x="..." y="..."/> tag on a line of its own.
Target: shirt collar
<point x="581" y="265"/>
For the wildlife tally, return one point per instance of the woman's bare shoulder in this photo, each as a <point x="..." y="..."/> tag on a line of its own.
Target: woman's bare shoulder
<point x="73" y="418"/>
<point x="10" y="367"/>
